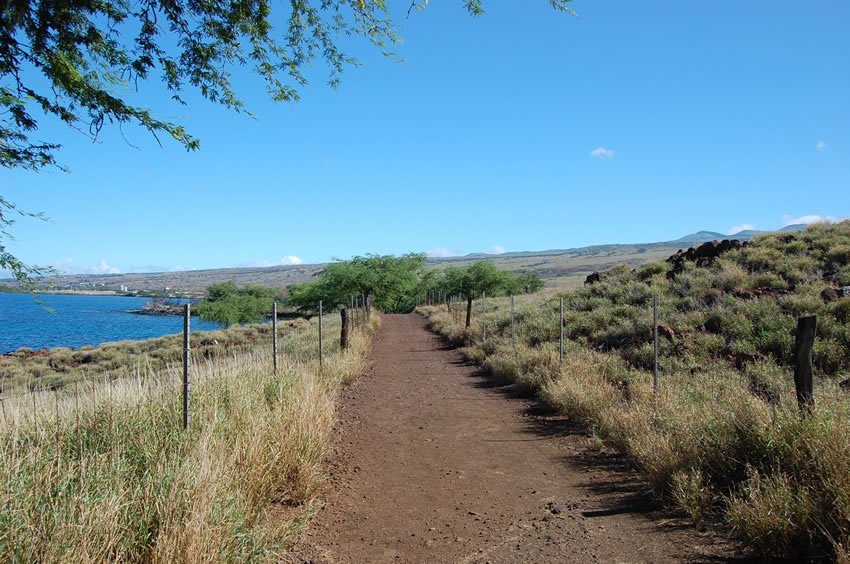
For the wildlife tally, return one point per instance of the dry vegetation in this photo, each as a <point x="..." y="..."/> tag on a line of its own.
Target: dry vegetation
<point x="100" y="470"/>
<point x="50" y="369"/>
<point x="724" y="438"/>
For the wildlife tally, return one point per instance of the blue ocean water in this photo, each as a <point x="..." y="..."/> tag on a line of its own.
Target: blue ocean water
<point x="76" y="321"/>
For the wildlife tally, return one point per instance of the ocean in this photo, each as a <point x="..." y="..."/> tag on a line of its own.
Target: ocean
<point x="48" y="321"/>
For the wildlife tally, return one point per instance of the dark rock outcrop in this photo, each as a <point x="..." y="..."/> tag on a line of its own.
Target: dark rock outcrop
<point x="831" y="295"/>
<point x="592" y="278"/>
<point x="702" y="256"/>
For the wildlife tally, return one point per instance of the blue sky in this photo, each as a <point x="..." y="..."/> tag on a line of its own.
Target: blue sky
<point x="523" y="129"/>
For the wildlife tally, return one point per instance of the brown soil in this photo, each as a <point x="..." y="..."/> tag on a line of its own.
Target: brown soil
<point x="436" y="462"/>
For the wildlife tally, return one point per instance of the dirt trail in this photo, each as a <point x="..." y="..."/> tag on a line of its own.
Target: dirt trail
<point x="436" y="462"/>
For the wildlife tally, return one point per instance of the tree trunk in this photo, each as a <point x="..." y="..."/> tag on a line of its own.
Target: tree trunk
<point x="345" y="329"/>
<point x="468" y="311"/>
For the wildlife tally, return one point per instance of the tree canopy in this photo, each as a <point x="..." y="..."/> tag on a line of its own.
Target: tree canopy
<point x="228" y="304"/>
<point x="77" y="61"/>
<point x="391" y="282"/>
<point x="483" y="277"/>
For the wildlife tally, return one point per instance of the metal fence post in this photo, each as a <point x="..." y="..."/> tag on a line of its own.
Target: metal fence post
<point x="484" y="315"/>
<point x="513" y="330"/>
<point x="320" y="335"/>
<point x="561" y="333"/>
<point x="186" y="361"/>
<point x="274" y="336"/>
<point x="655" y="342"/>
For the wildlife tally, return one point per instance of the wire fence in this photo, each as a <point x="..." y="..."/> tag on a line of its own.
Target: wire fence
<point x="285" y="351"/>
<point x="485" y="322"/>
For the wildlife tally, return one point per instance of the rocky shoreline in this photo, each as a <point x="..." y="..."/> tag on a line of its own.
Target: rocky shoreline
<point x="160" y="307"/>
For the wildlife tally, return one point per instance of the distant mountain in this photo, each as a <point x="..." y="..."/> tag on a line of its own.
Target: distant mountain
<point x="569" y="266"/>
<point x="700" y="237"/>
<point x="746" y="234"/>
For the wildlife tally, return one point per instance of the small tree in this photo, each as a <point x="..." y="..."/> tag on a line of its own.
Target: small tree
<point x="392" y="281"/>
<point x="527" y="283"/>
<point x="484" y="276"/>
<point x="226" y="303"/>
<point x="475" y="279"/>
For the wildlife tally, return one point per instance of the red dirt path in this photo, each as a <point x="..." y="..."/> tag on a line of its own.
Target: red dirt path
<point x="436" y="462"/>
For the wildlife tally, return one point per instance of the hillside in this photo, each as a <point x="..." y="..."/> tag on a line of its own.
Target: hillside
<point x="563" y="268"/>
<point x="722" y="435"/>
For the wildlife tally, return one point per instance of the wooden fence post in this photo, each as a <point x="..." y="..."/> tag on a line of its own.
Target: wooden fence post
<point x="655" y="343"/>
<point x="274" y="337"/>
<point x="186" y="361"/>
<point x="344" y="330"/>
<point x="803" y="343"/>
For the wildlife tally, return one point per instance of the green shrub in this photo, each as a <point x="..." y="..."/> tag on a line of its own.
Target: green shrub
<point x="652" y="269"/>
<point x="841" y="310"/>
<point x="839" y="255"/>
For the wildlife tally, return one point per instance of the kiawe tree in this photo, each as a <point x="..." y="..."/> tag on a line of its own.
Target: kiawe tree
<point x="76" y="61"/>
<point x="474" y="280"/>
<point x="390" y="282"/>
<point x="228" y="304"/>
<point x="484" y="277"/>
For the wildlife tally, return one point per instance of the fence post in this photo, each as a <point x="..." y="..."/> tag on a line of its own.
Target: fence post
<point x="320" y="335"/>
<point x="513" y="331"/>
<point x="655" y="342"/>
<point x="561" y="333"/>
<point x="484" y="316"/>
<point x="803" y="343"/>
<point x="274" y="337"/>
<point x="344" y="329"/>
<point x="186" y="361"/>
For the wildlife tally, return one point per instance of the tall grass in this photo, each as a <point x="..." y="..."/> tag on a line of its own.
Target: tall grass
<point x="103" y="471"/>
<point x="30" y="370"/>
<point x="723" y="437"/>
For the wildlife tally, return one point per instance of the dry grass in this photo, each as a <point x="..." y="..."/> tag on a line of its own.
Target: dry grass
<point x="102" y="470"/>
<point x="719" y="441"/>
<point x="49" y="369"/>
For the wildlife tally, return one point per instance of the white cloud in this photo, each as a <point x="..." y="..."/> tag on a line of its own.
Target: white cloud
<point x="807" y="219"/>
<point x="291" y="259"/>
<point x="738" y="228"/>
<point x="602" y="153"/>
<point x="68" y="266"/>
<point x="497" y="250"/>
<point x="820" y="145"/>
<point x="441" y="252"/>
<point x="63" y="266"/>
<point x="103" y="268"/>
